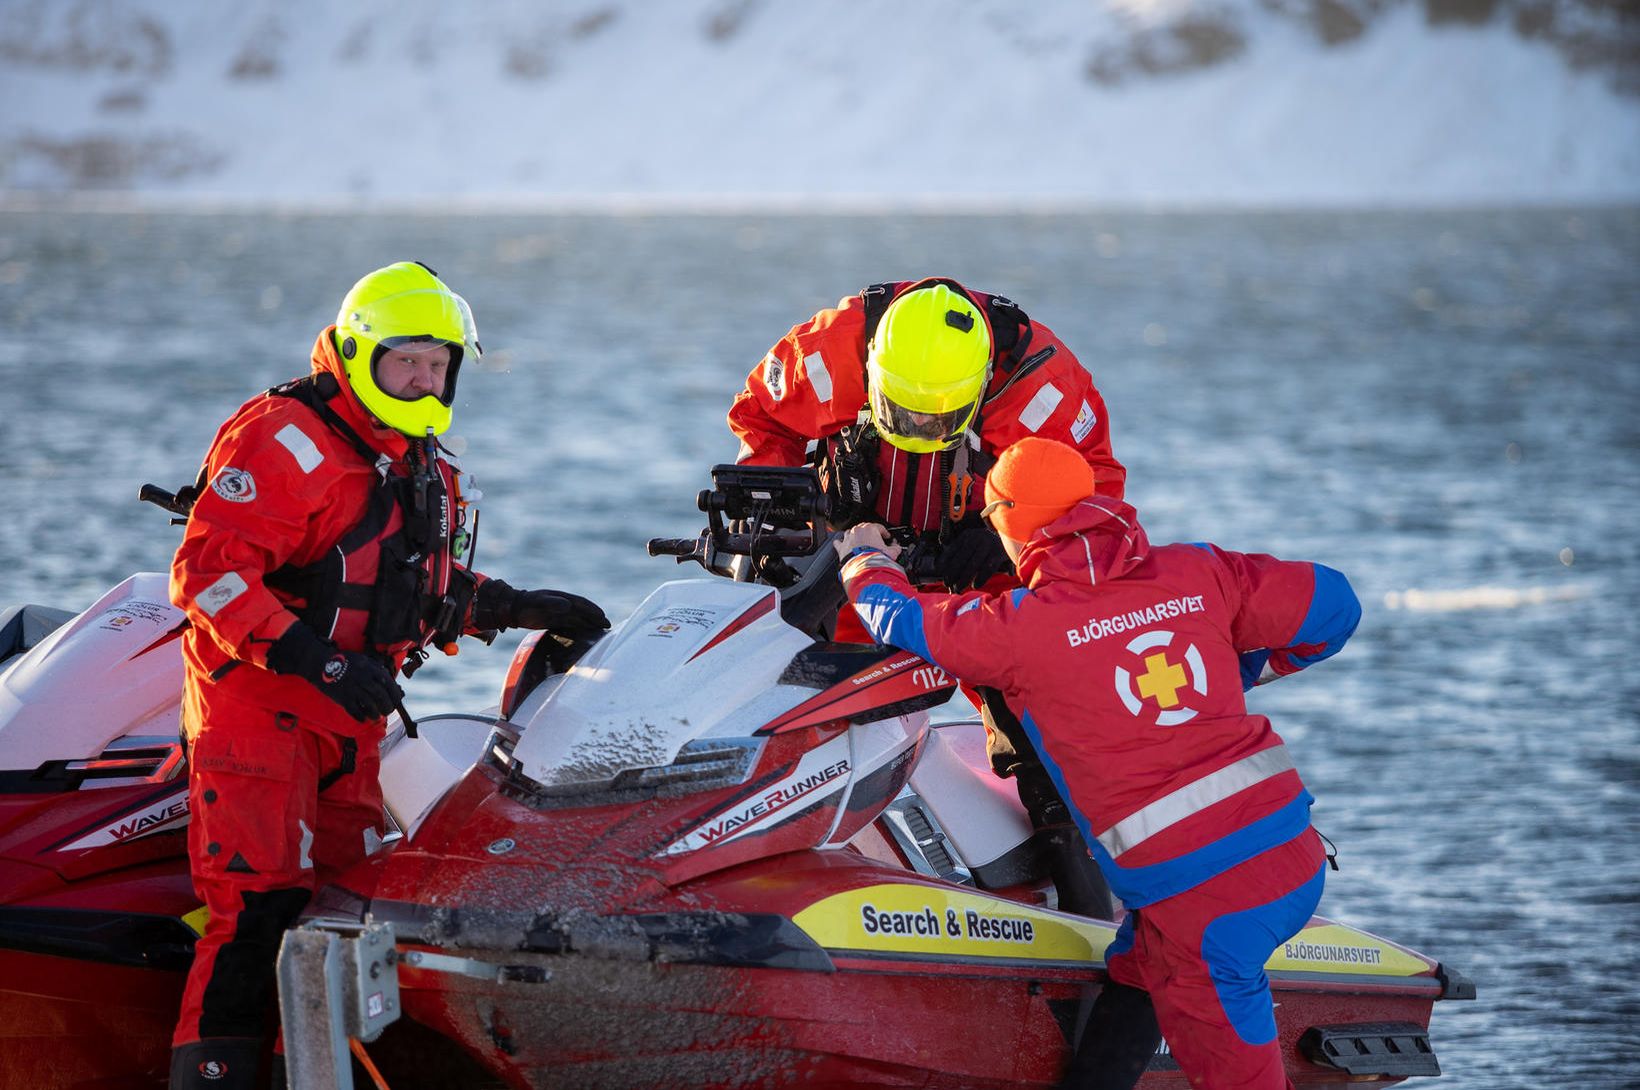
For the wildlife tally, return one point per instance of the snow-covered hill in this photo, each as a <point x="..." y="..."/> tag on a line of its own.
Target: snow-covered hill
<point x="786" y="103"/>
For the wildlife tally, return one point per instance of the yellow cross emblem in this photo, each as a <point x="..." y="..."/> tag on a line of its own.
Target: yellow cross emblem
<point x="1162" y="680"/>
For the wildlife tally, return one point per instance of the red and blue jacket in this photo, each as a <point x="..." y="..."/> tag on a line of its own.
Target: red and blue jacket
<point x="1127" y="666"/>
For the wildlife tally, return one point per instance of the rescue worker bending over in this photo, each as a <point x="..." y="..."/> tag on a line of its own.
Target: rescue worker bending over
<point x="1126" y="664"/>
<point x="910" y="390"/>
<point x="322" y="551"/>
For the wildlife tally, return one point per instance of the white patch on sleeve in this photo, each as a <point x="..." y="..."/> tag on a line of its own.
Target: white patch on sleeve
<point x="301" y="448"/>
<point x="1086" y="418"/>
<point x="774" y="376"/>
<point x="1036" y="414"/>
<point x="305" y="849"/>
<point x="234" y="485"/>
<point x="744" y="452"/>
<point x="819" y="376"/>
<point x="220" y="593"/>
<point x="969" y="606"/>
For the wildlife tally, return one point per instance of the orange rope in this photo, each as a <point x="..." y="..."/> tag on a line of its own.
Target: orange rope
<point x="364" y="1058"/>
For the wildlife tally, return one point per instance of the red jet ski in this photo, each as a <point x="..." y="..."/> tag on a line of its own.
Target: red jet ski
<point x="719" y="850"/>
<point x="97" y="914"/>
<point x="710" y="849"/>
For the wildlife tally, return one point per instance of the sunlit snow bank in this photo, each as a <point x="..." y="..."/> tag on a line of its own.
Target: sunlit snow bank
<point x="735" y="103"/>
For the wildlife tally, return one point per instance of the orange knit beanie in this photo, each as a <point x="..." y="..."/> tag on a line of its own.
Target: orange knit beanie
<point x="1033" y="483"/>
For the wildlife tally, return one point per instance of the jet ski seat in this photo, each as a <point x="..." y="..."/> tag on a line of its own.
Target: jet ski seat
<point x="21" y="627"/>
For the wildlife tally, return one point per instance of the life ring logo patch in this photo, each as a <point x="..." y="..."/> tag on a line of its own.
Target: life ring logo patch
<point x="774" y="376"/>
<point x="1161" y="680"/>
<point x="234" y="485"/>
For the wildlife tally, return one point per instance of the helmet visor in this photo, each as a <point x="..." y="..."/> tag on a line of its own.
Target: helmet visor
<point x="919" y="431"/>
<point x="398" y="362"/>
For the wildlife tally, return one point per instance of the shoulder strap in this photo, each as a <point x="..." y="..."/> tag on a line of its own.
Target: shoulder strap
<point x="1010" y="327"/>
<point x="316" y="392"/>
<point x="302" y="389"/>
<point x="1025" y="367"/>
<point x="876" y="298"/>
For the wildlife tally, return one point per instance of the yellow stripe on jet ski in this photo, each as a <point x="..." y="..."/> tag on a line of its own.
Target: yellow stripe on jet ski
<point x="914" y="919"/>
<point x="902" y="918"/>
<point x="1334" y="948"/>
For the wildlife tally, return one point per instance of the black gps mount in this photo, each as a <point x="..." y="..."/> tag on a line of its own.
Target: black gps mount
<point x="760" y="512"/>
<point x="757" y="517"/>
<point x="781" y="510"/>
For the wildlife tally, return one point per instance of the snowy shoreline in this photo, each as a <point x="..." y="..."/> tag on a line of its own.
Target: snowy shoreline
<point x="730" y="205"/>
<point x="746" y="105"/>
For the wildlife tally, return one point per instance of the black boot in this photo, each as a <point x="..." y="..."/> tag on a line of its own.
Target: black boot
<point x="216" y="1063"/>
<point x="1116" y="1045"/>
<point x="1082" y="887"/>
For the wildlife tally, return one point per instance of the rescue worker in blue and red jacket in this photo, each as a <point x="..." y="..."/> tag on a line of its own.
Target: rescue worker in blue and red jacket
<point x="1126" y="664"/>
<point x="909" y="391"/>
<point x="324" y="548"/>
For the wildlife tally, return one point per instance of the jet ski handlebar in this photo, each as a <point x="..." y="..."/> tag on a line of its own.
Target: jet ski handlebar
<point x="766" y="543"/>
<point x="673" y="546"/>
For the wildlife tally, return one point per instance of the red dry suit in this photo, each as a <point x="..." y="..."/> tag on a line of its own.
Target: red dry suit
<point x="812" y="384"/>
<point x="307" y="512"/>
<point x="1127" y="664"/>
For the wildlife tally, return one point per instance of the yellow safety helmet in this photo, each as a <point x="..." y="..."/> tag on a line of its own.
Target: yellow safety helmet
<point x="926" y="368"/>
<point x="407" y="308"/>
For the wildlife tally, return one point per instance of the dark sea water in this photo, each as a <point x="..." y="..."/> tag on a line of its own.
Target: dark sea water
<point x="1444" y="405"/>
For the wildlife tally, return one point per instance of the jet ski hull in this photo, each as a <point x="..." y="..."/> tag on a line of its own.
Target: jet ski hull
<point x="72" y="1022"/>
<point x="597" y="1023"/>
<point x="827" y="968"/>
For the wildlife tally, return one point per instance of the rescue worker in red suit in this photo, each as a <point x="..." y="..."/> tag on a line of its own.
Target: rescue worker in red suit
<point x="323" y="549"/>
<point x="909" y="391"/>
<point x="1126" y="664"/>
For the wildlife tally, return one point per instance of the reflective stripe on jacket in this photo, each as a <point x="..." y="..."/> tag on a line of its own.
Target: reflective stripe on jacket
<point x="1126" y="665"/>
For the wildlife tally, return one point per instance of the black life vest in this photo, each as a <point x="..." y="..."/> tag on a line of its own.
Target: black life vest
<point x="390" y="582"/>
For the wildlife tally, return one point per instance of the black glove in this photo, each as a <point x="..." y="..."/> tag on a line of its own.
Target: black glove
<point x="561" y="614"/>
<point x="970" y="558"/>
<point x="498" y="605"/>
<point x="360" y="684"/>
